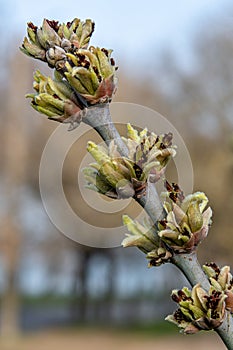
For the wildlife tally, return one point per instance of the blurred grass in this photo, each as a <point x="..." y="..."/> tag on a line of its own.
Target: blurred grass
<point x="87" y="338"/>
<point x="151" y="329"/>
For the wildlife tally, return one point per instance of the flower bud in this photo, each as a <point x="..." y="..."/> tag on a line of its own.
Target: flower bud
<point x="140" y="236"/>
<point x="129" y="176"/>
<point x="222" y="281"/>
<point x="198" y="310"/>
<point x="144" y="236"/>
<point x="47" y="34"/>
<point x="159" y="256"/>
<point x="194" y="217"/>
<point x="55" y="54"/>
<point x="186" y="223"/>
<point x="52" y="41"/>
<point x="31" y="49"/>
<point x="92" y="74"/>
<point x="53" y="98"/>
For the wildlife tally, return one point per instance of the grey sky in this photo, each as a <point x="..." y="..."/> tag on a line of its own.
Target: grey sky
<point x="130" y="27"/>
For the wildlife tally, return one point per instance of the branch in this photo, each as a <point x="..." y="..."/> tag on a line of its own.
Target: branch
<point x="225" y="331"/>
<point x="100" y="119"/>
<point x="189" y="265"/>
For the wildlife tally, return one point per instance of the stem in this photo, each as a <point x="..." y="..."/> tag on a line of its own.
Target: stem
<point x="151" y="203"/>
<point x="191" y="268"/>
<point x="225" y="331"/>
<point x="99" y="118"/>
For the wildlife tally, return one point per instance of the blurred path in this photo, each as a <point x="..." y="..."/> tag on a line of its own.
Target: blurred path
<point x="109" y="340"/>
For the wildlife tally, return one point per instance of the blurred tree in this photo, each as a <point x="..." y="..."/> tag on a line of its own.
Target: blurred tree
<point x="199" y="103"/>
<point x="15" y="146"/>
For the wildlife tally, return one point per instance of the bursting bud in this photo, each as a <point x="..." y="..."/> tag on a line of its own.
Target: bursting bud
<point x="121" y="177"/>
<point x="91" y="73"/>
<point x="186" y="222"/>
<point x="141" y="236"/>
<point x="111" y="175"/>
<point x="144" y="237"/>
<point x="198" y="310"/>
<point x="221" y="280"/>
<point x="31" y="45"/>
<point x="54" y="98"/>
<point x="52" y="41"/>
<point x="150" y="152"/>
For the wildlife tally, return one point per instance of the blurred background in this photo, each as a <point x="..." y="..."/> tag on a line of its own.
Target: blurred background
<point x="174" y="57"/>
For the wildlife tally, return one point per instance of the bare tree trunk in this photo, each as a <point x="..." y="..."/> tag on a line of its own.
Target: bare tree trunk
<point x="80" y="304"/>
<point x="10" y="302"/>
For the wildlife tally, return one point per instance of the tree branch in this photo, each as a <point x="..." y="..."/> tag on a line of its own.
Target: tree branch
<point x="100" y="119"/>
<point x="189" y="265"/>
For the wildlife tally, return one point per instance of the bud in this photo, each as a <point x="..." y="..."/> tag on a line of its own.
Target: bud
<point x="53" y="98"/>
<point x="47" y="34"/>
<point x="128" y="177"/>
<point x="52" y="41"/>
<point x="198" y="310"/>
<point x="92" y="74"/>
<point x="222" y="281"/>
<point x="77" y="33"/>
<point x="186" y="223"/>
<point x="31" y="45"/>
<point x="110" y="175"/>
<point x="159" y="256"/>
<point x="144" y="236"/>
<point x="54" y="55"/>
<point x="150" y="152"/>
<point x="140" y="236"/>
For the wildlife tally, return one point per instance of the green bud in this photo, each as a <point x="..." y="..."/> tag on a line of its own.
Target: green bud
<point x="98" y="152"/>
<point x="127" y="177"/>
<point x="47" y="36"/>
<point x="84" y="32"/>
<point x="48" y="100"/>
<point x="186" y="223"/>
<point x="221" y="280"/>
<point x="76" y="84"/>
<point x="53" y="98"/>
<point x="158" y="256"/>
<point x="139" y="236"/>
<point x="52" y="41"/>
<point x="33" y="50"/>
<point x="210" y="270"/>
<point x="198" y="310"/>
<point x="96" y="182"/>
<point x="198" y="296"/>
<point x="85" y="78"/>
<point x="103" y="57"/>
<point x="92" y="74"/>
<point x="215" y="284"/>
<point x="225" y="277"/>
<point x="112" y="175"/>
<point x="133" y="134"/>
<point x="194" y="216"/>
